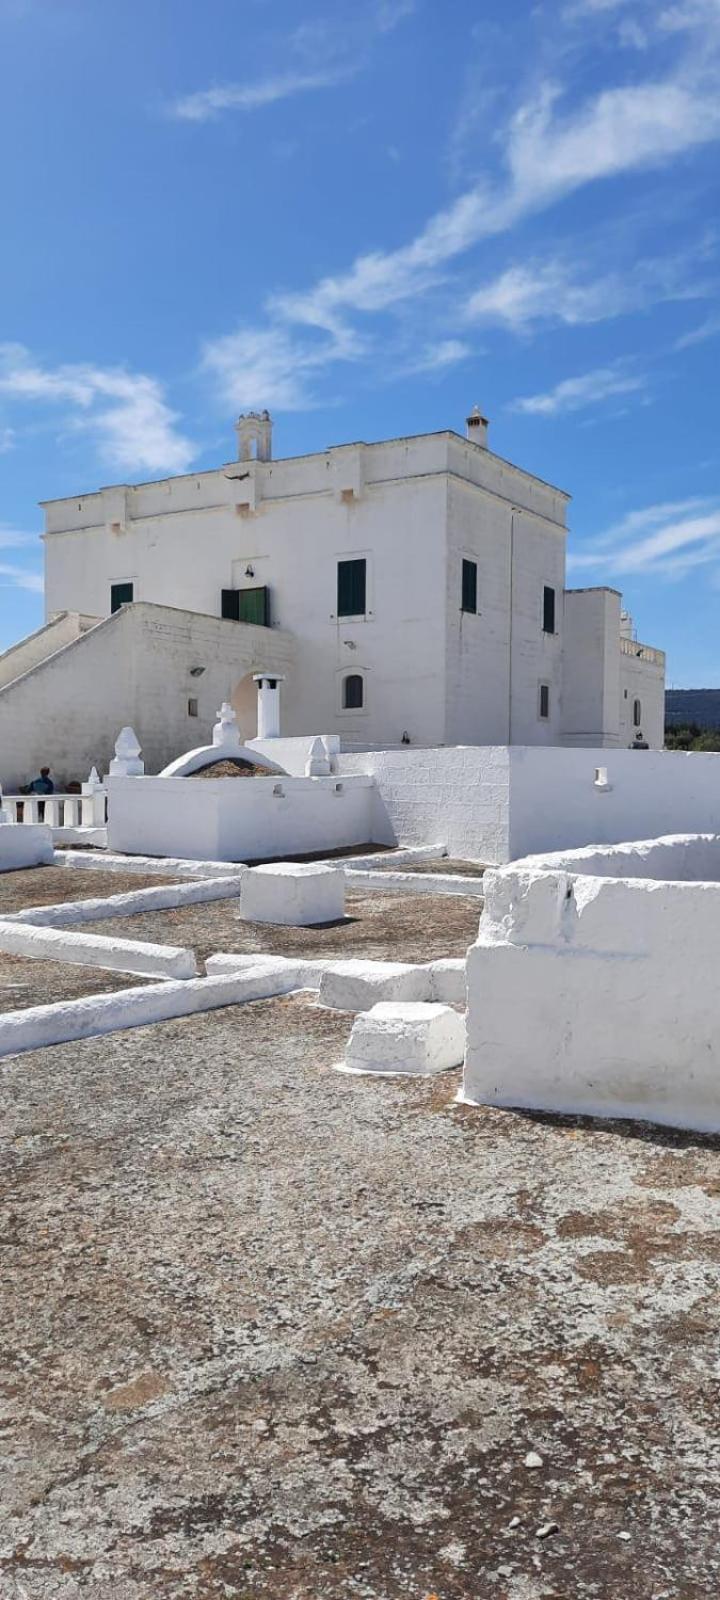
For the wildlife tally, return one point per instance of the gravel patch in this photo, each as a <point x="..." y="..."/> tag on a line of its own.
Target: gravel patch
<point x="378" y="927"/>
<point x="30" y="982"/>
<point x="272" y="1332"/>
<point x="48" y="886"/>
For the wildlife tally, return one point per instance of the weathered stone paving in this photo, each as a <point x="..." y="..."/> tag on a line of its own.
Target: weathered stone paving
<point x="271" y="1331"/>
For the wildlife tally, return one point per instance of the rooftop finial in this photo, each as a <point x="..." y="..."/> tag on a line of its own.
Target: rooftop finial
<point x="254" y="428"/>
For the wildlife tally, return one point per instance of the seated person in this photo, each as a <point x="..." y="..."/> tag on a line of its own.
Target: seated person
<point x="43" y="784"/>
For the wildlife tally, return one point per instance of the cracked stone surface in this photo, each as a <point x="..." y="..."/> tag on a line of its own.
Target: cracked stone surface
<point x="271" y="1331"/>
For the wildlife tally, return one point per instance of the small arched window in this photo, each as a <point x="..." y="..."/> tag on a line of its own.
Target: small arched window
<point x="637" y="713"/>
<point x="353" y="692"/>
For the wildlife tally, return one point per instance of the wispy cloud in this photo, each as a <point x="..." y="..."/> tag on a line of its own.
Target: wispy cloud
<point x="16" y="538"/>
<point x="575" y="394"/>
<point x="319" y="55"/>
<point x="437" y="357"/>
<point x="8" y="440"/>
<point x="707" y="330"/>
<point x="670" y="539"/>
<point x="554" y="291"/>
<point x="14" y="577"/>
<point x="126" y="412"/>
<point x="206" y="104"/>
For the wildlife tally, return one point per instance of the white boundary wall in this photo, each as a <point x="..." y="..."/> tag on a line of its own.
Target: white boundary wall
<point x="96" y="950"/>
<point x="597" y="996"/>
<point x="679" y="857"/>
<point x="497" y="803"/>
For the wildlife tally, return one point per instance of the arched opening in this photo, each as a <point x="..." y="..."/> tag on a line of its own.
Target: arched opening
<point x="244" y="701"/>
<point x="637" y="713"/>
<point x="353" y="692"/>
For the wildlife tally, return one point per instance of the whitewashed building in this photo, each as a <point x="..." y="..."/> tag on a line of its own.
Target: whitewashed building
<point x="409" y="591"/>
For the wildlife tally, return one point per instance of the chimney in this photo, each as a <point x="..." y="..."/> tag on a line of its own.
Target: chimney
<point x="476" y="428"/>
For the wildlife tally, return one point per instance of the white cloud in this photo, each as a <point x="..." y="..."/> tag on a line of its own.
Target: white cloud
<point x="437" y="357"/>
<point x="575" y="394"/>
<point x="549" y="291"/>
<point x="206" y="104"/>
<point x="266" y="367"/>
<point x="127" y="413"/>
<point x="707" y="330"/>
<point x="14" y="577"/>
<point x="675" y="538"/>
<point x="16" y="538"/>
<point x="323" y="54"/>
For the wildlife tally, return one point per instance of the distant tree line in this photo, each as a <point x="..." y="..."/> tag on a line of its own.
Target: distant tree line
<point x="692" y="737"/>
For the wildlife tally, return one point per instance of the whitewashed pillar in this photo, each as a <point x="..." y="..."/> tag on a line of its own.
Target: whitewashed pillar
<point x="268" y="705"/>
<point x="93" y="803"/>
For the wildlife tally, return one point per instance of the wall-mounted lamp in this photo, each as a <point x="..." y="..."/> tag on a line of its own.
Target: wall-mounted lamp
<point x="249" y="571"/>
<point x="350" y="644"/>
<point x="405" y="738"/>
<point x="196" y="672"/>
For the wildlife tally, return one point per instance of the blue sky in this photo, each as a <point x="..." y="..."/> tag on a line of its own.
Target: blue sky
<point x="370" y="218"/>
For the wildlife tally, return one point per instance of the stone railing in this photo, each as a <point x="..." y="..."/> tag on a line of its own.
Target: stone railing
<point x="643" y="652"/>
<point x="59" y="810"/>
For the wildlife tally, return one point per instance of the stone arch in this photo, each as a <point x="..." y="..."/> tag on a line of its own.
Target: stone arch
<point x="244" y="701"/>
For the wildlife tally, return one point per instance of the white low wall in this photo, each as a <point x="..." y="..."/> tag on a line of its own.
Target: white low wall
<point x="556" y="805"/>
<point x="165" y="897"/>
<point x="94" y="950"/>
<point x="241" y="819"/>
<point x="679" y="857"/>
<point x="596" y="995"/>
<point x="496" y="803"/>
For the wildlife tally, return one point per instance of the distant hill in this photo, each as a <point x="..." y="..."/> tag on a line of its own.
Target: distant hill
<point x="699" y="707"/>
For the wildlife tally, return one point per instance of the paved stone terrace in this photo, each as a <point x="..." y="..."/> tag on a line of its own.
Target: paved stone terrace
<point x="269" y="1331"/>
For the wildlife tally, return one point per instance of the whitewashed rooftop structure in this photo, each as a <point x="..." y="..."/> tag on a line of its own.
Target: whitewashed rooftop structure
<point x="409" y="591"/>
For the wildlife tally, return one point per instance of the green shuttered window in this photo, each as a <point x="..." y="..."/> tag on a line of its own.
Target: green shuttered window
<point x="121" y="594"/>
<point x="246" y="605"/>
<point x="352" y="588"/>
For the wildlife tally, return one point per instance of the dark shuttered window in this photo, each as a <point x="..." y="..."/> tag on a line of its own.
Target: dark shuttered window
<point x="353" y="692"/>
<point x="121" y="594"/>
<point x="469" y="586"/>
<point x="544" y="700"/>
<point x="352" y="587"/>
<point x="548" y="609"/>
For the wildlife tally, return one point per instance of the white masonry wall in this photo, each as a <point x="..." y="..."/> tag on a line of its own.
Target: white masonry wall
<point x="596" y="996"/>
<point x="240" y="819"/>
<point x="458" y="797"/>
<point x="642" y="677"/>
<point x="591" y="668"/>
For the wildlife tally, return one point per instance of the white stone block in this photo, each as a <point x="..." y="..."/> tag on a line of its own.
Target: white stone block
<point x="414" y="1038"/>
<point x="448" y="981"/>
<point x="25" y="845"/>
<point x="358" y="985"/>
<point x="293" y="893"/>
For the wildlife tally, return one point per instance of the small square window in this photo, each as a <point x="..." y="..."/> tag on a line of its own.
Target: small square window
<point x="192" y="707"/>
<point x="548" y="609"/>
<point x="544" y="700"/>
<point x="469" y="586"/>
<point x="121" y="594"/>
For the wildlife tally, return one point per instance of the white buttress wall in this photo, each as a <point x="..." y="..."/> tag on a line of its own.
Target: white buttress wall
<point x="44" y="642"/>
<point x="591" y="667"/>
<point x="134" y="667"/>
